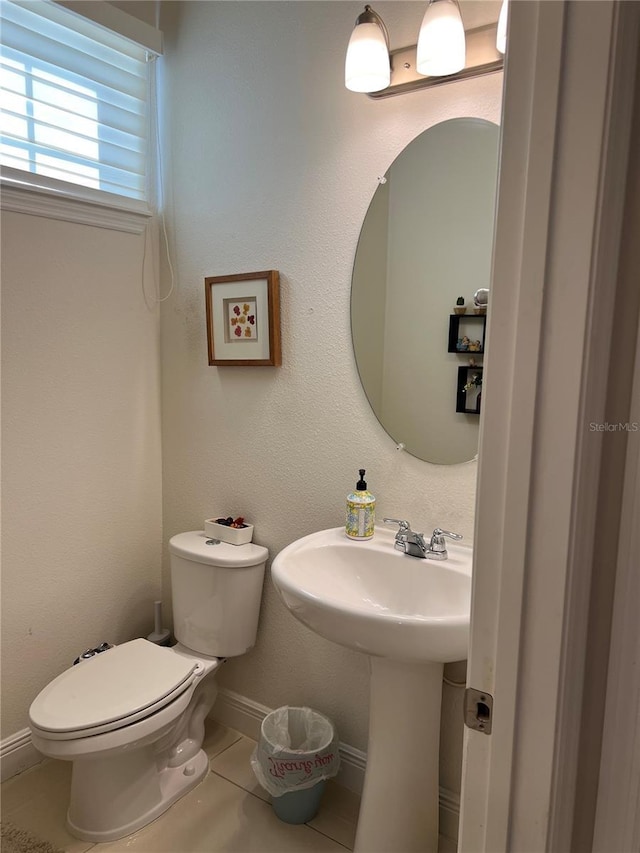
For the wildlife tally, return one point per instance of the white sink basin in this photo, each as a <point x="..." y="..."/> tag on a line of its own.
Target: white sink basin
<point x="370" y="597"/>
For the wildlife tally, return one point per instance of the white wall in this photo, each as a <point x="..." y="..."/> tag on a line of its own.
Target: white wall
<point x="81" y="472"/>
<point x="273" y="165"/>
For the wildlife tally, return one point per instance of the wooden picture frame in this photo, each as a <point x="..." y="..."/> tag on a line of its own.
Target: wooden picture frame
<point x="243" y="319"/>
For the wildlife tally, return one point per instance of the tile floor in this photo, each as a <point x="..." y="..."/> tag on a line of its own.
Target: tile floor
<point x="228" y="812"/>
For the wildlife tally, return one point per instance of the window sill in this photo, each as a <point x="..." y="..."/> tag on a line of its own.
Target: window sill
<point x="71" y="203"/>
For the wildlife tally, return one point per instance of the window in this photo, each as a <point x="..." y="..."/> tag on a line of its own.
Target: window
<point x="73" y="99"/>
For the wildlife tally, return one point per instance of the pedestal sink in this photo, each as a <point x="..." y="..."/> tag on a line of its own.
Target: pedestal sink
<point x="411" y="616"/>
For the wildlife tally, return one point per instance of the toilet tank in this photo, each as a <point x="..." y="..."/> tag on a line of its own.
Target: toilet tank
<point x="216" y="590"/>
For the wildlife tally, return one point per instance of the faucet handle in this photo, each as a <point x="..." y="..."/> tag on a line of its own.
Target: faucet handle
<point x="404" y="525"/>
<point x="437" y="545"/>
<point x="439" y="532"/>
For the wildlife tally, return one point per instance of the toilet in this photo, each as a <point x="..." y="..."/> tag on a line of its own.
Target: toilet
<point x="131" y="719"/>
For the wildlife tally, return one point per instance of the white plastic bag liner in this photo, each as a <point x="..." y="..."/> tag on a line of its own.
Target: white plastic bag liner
<point x="298" y="748"/>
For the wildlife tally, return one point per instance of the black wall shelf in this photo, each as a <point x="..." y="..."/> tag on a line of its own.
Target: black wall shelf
<point x="468" y="402"/>
<point x="466" y="332"/>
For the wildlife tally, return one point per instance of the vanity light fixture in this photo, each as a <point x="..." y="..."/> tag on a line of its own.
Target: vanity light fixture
<point x="441" y="43"/>
<point x="367" y="67"/>
<point x="444" y="53"/>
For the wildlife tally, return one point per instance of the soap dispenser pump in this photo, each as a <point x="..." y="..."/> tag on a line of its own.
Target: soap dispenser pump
<point x="361" y="506"/>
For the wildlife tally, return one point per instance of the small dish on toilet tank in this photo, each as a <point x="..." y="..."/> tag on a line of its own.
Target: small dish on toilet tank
<point x="233" y="530"/>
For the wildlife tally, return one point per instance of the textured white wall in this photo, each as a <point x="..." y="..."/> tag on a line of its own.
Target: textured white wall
<point x="81" y="471"/>
<point x="273" y="165"/>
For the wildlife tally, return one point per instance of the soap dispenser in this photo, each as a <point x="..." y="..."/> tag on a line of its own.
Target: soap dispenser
<point x="361" y="506"/>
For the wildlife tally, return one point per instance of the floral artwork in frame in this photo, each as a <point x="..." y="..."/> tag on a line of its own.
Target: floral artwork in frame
<point x="243" y="319"/>
<point x="240" y="319"/>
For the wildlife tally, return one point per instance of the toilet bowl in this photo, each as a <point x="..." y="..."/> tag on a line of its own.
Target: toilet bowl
<point x="131" y="719"/>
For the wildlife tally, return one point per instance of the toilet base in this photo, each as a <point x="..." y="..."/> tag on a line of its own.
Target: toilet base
<point x="113" y="809"/>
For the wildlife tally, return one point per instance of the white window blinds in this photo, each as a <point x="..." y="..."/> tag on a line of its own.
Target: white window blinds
<point x="73" y="99"/>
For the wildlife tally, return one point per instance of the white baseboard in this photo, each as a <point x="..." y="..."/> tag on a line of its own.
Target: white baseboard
<point x="245" y="716"/>
<point x="239" y="713"/>
<point x="18" y="754"/>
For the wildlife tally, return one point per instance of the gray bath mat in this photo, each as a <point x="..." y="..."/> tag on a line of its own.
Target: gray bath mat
<point x="16" y="840"/>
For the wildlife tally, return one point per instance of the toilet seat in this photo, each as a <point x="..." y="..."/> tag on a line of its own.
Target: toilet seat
<point x="112" y="690"/>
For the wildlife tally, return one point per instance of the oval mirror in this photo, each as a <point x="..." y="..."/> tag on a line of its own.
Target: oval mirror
<point x="427" y="240"/>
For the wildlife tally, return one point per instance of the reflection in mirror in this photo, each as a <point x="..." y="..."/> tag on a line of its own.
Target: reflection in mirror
<point x="426" y="240"/>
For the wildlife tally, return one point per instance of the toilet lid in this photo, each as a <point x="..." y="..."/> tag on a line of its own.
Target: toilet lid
<point x="132" y="679"/>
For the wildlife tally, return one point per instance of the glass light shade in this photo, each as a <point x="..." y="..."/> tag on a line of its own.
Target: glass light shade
<point x="367" y="67"/>
<point x="441" y="43"/>
<point x="501" y="37"/>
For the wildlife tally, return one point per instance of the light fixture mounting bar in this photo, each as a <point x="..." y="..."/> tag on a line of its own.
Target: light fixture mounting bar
<point x="482" y="57"/>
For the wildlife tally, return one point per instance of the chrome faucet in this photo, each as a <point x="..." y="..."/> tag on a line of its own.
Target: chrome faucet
<point x="407" y="540"/>
<point x="413" y="544"/>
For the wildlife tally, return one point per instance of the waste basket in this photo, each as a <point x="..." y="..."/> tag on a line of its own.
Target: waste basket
<point x="296" y="754"/>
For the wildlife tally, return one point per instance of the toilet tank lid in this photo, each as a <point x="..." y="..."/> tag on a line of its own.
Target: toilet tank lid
<point x="193" y="546"/>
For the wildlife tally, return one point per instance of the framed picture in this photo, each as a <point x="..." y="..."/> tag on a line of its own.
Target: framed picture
<point x="243" y="319"/>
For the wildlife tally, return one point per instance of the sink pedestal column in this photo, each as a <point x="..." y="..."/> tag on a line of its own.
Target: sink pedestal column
<point x="399" y="810"/>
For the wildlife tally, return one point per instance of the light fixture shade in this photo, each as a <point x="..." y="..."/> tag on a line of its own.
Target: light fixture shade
<point x="367" y="67"/>
<point x="501" y="37"/>
<point x="441" y="43"/>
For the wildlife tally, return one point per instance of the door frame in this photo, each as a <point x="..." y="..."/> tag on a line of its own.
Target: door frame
<point x="542" y="602"/>
<point x="617" y="820"/>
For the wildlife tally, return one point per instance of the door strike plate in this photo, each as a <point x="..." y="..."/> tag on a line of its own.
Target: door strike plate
<point x="478" y="710"/>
